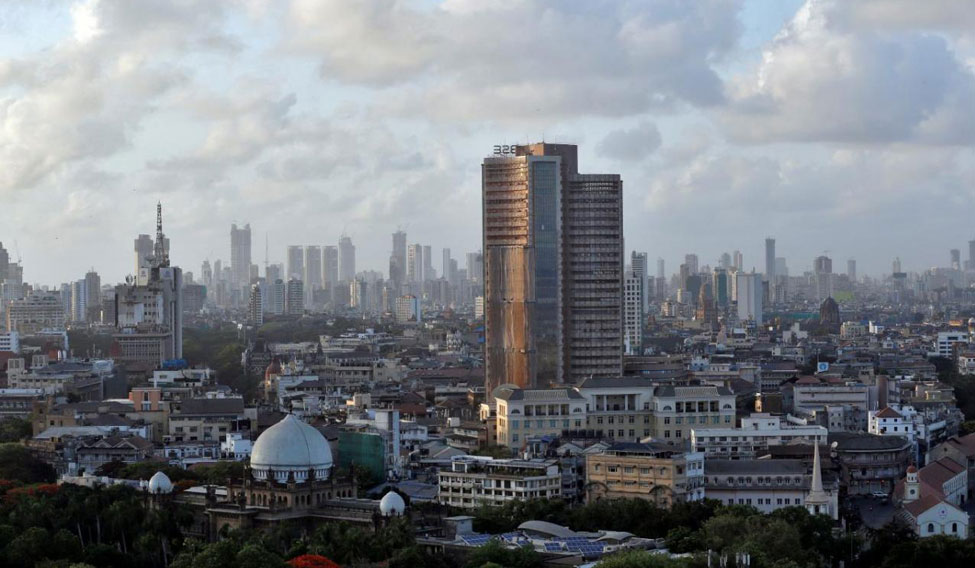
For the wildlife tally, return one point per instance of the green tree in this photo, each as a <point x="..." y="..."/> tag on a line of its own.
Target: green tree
<point x="13" y="429"/>
<point x="642" y="559"/>
<point x="18" y="464"/>
<point x="497" y="553"/>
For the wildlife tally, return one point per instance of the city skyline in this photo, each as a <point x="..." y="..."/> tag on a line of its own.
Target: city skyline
<point x="305" y="140"/>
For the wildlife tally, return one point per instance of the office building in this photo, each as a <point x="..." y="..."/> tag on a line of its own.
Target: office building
<point x="553" y="310"/>
<point x="312" y="278"/>
<point x="93" y="297"/>
<point x="955" y="259"/>
<point x="36" y="312"/>
<point x="276" y="297"/>
<point x="757" y="434"/>
<point x="851" y="270"/>
<point x="428" y="272"/>
<point x="149" y="312"/>
<point x="750" y="295"/>
<point x="526" y="413"/>
<point x="240" y="257"/>
<point x="330" y="265"/>
<point x="414" y="263"/>
<point x="677" y="410"/>
<point x="408" y="309"/>
<point x="638" y="265"/>
<point x="346" y="259"/>
<point x="447" y="273"/>
<point x="692" y="262"/>
<point x="296" y="262"/>
<point x="294" y="297"/>
<point x="475" y="267"/>
<point x="619" y="408"/>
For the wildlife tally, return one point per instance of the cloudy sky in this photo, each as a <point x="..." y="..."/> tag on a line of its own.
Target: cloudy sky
<point x="839" y="125"/>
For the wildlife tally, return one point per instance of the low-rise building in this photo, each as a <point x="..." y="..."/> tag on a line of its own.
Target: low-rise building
<point x="472" y="481"/>
<point x="869" y="463"/>
<point x="679" y="409"/>
<point x="525" y="413"/>
<point x="757" y="433"/>
<point x="962" y="450"/>
<point x="619" y="408"/>
<point x="926" y="510"/>
<point x="207" y="419"/>
<point x="651" y="471"/>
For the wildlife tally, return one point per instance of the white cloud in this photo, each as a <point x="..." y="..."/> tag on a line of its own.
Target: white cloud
<point x="632" y="144"/>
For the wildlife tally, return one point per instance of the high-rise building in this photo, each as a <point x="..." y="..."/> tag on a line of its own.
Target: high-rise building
<point x="273" y="273"/>
<point x="445" y="266"/>
<point x="823" y="272"/>
<point x="296" y="262"/>
<point x="79" y="301"/>
<point x="414" y="263"/>
<point x="896" y="266"/>
<point x="725" y="261"/>
<point x="750" y="293"/>
<point x="294" y="297"/>
<point x="255" y="306"/>
<point x="149" y="312"/>
<point x="638" y="264"/>
<point x="240" y="256"/>
<point x="661" y="271"/>
<point x="408" y="309"/>
<point x="770" y="265"/>
<point x="428" y="272"/>
<point x="346" y="259"/>
<point x="971" y="255"/>
<point x="359" y="295"/>
<point x="633" y="292"/>
<point x="851" y="269"/>
<point x="955" y="259"/>
<point x="143" y="250"/>
<point x="692" y="263"/>
<point x="276" y="297"/>
<point x="330" y="264"/>
<point x="206" y="273"/>
<point x="553" y="310"/>
<point x="475" y="267"/>
<point x="313" y="272"/>
<point x="93" y="297"/>
<point x="397" y="259"/>
<point x="738" y="260"/>
<point x="721" y="287"/>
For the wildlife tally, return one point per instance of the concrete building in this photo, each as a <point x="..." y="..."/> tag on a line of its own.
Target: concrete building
<point x="294" y="297"/>
<point x="823" y="274"/>
<point x="929" y="501"/>
<point x="840" y="405"/>
<point x="296" y="262"/>
<point x="277" y="297"/>
<point x="255" y="306"/>
<point x="428" y="272"/>
<point x="654" y="472"/>
<point x="143" y="250"/>
<point x="553" y="309"/>
<point x="240" y="257"/>
<point x="770" y="275"/>
<point x="769" y="485"/>
<point x="473" y="481"/>
<point x="36" y="312"/>
<point x="677" y="410"/>
<point x="330" y="265"/>
<point x="522" y="413"/>
<point x="397" y="260"/>
<point x="753" y="439"/>
<point x="408" y="309"/>
<point x="312" y="278"/>
<point x="346" y="259"/>
<point x="750" y="296"/>
<point x="10" y="342"/>
<point x="414" y="263"/>
<point x="869" y="463"/>
<point x="619" y="408"/>
<point x="633" y="287"/>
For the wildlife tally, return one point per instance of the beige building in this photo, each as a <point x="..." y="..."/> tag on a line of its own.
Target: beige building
<point x="619" y="409"/>
<point x="472" y="481"/>
<point x="522" y="414"/>
<point x="654" y="472"/>
<point x="679" y="409"/>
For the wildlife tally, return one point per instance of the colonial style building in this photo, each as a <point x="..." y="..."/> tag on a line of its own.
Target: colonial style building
<point x="757" y="433"/>
<point x="472" y="481"/>
<point x="679" y="409"/>
<point x="522" y="413"/>
<point x="651" y="471"/>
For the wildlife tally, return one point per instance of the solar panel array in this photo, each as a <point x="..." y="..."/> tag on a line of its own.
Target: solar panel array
<point x="476" y="539"/>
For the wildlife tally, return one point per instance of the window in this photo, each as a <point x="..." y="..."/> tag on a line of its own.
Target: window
<point x="954" y="527"/>
<point x="514" y="424"/>
<point x="514" y="437"/>
<point x="930" y="528"/>
<point x="666" y="419"/>
<point x="632" y="433"/>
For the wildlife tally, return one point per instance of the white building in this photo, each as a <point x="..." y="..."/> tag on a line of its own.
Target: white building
<point x="890" y="422"/>
<point x="236" y="447"/>
<point x="10" y="342"/>
<point x="472" y="481"/>
<point x="408" y="309"/>
<point x="633" y="300"/>
<point x="928" y="500"/>
<point x="749" y="287"/>
<point x="757" y="433"/>
<point x="945" y="342"/>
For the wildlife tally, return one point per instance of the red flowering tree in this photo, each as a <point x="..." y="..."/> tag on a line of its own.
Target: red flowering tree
<point x="312" y="561"/>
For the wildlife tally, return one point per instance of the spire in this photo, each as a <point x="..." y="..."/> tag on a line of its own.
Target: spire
<point x="817" y="496"/>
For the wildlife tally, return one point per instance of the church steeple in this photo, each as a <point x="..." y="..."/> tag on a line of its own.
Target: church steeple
<point x="817" y="501"/>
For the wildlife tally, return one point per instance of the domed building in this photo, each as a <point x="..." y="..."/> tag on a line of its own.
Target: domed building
<point x="829" y="315"/>
<point x="291" y="477"/>
<point x="159" y="484"/>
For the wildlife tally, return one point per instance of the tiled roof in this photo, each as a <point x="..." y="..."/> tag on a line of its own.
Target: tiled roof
<point x="888" y="412"/>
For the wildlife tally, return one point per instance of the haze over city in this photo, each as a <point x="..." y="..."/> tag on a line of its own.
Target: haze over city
<point x="839" y="126"/>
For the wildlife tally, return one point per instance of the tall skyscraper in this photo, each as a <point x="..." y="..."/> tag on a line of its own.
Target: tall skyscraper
<point x="206" y="273"/>
<point x="445" y="266"/>
<point x="955" y="259"/>
<point x="692" y="263"/>
<point x="346" y="259"/>
<point x="725" y="261"/>
<point x="79" y="301"/>
<point x="414" y="263"/>
<point x="296" y="262"/>
<point x="255" y="306"/>
<point x="738" y="260"/>
<point x="143" y="250"/>
<point x="851" y="269"/>
<point x="330" y="264"/>
<point x="428" y="272"/>
<point x="661" y="272"/>
<point x="553" y="310"/>
<point x="294" y="297"/>
<point x="475" y="267"/>
<point x="313" y="271"/>
<point x="397" y="259"/>
<point x="633" y="293"/>
<point x="750" y="297"/>
<point x="896" y="266"/>
<point x="240" y="257"/>
<point x="770" y="265"/>
<point x="638" y="264"/>
<point x="823" y="271"/>
<point x="93" y="296"/>
<point x="971" y="255"/>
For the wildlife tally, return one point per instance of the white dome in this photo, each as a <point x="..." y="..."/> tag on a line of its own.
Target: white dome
<point x="392" y="504"/>
<point x="291" y="446"/>
<point x="160" y="483"/>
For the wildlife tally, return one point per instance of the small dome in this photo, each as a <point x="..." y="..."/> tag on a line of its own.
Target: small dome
<point x="392" y="505"/>
<point x="273" y="369"/>
<point x="911" y="469"/>
<point x="291" y="447"/>
<point x="160" y="484"/>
